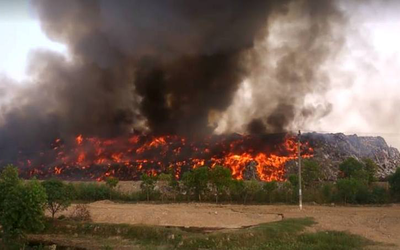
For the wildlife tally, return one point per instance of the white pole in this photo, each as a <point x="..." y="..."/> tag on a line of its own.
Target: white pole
<point x="299" y="155"/>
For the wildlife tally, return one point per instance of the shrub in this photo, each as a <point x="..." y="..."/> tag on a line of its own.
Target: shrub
<point x="163" y="181"/>
<point x="328" y="192"/>
<point x="220" y="179"/>
<point x="269" y="188"/>
<point x="352" y="168"/>
<point x="371" y="168"/>
<point x="195" y="182"/>
<point x="379" y="195"/>
<point x="251" y="188"/>
<point x="80" y="213"/>
<point x="91" y="191"/>
<point x="111" y="183"/>
<point x="311" y="173"/>
<point x="148" y="185"/>
<point x="394" y="182"/>
<point x="352" y="190"/>
<point x="237" y="190"/>
<point x="21" y="205"/>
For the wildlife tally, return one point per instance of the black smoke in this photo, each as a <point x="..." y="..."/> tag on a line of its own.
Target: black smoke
<point x="155" y="66"/>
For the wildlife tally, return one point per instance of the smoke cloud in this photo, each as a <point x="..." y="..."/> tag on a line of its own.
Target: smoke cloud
<point x="172" y="67"/>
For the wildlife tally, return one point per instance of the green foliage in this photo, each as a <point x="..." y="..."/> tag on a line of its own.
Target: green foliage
<point x="90" y="191"/>
<point x="112" y="182"/>
<point x="348" y="189"/>
<point x="59" y="195"/>
<point x="21" y="205"/>
<point x="220" y="179"/>
<point x="237" y="190"/>
<point x="269" y="188"/>
<point x="287" y="234"/>
<point x="379" y="195"/>
<point x="251" y="188"/>
<point x="328" y="192"/>
<point x="294" y="180"/>
<point x="165" y="177"/>
<point x="352" y="168"/>
<point x="394" y="182"/>
<point x="371" y="168"/>
<point x="148" y="185"/>
<point x="196" y="181"/>
<point x="311" y="173"/>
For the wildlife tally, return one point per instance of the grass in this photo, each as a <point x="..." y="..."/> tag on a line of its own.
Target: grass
<point x="284" y="235"/>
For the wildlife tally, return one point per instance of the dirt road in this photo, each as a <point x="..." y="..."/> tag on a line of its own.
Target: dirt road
<point x="376" y="223"/>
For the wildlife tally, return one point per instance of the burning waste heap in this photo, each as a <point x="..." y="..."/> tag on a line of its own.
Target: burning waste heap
<point x="187" y="74"/>
<point x="127" y="158"/>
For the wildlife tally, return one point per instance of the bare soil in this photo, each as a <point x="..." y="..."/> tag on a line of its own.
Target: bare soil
<point x="381" y="224"/>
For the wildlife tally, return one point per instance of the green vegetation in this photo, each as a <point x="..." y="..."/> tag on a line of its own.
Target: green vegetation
<point x="59" y="196"/>
<point x="287" y="234"/>
<point x="220" y="179"/>
<point x="112" y="183"/>
<point x="195" y="182"/>
<point x="148" y="185"/>
<point x="394" y="181"/>
<point x="311" y="174"/>
<point x="21" y="207"/>
<point x="354" y="186"/>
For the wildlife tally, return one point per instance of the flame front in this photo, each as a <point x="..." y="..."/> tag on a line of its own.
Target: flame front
<point x="126" y="158"/>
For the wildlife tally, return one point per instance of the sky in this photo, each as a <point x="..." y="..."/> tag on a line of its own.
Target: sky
<point x="365" y="82"/>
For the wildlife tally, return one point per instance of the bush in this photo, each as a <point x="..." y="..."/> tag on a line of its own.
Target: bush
<point x="148" y="185"/>
<point x="195" y="182"/>
<point x="347" y="190"/>
<point x="21" y="205"/>
<point x="91" y="191"/>
<point x="311" y="173"/>
<point x="220" y="179"/>
<point x="80" y="213"/>
<point x="379" y="195"/>
<point x="328" y="192"/>
<point x="269" y="188"/>
<point x="394" y="182"/>
<point x="352" y="168"/>
<point x="251" y="188"/>
<point x="237" y="190"/>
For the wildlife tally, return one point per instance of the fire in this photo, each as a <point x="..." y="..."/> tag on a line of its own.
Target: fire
<point x="126" y="158"/>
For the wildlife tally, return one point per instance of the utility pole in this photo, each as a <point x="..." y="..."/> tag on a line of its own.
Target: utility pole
<point x="299" y="156"/>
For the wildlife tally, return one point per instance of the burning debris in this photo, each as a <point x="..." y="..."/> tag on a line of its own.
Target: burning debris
<point x="128" y="157"/>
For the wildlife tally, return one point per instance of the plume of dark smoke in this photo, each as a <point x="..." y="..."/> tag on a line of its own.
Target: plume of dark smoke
<point x="161" y="66"/>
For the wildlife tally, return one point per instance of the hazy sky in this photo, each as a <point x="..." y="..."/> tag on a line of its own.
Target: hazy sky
<point x="365" y="78"/>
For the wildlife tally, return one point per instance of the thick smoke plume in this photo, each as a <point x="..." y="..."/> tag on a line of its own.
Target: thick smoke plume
<point x="167" y="67"/>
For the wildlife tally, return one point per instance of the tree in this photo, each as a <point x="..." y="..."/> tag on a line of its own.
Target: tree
<point x="347" y="189"/>
<point x="311" y="173"/>
<point x="175" y="187"/>
<point x="251" y="188"/>
<point x="148" y="184"/>
<point x="163" y="181"/>
<point x="21" y="205"/>
<point x="371" y="168"/>
<point x="394" y="182"/>
<point x="237" y="190"/>
<point x="269" y="188"/>
<point x="196" y="181"/>
<point x="59" y="196"/>
<point x="111" y="183"/>
<point x="220" y="178"/>
<point x="352" y="168"/>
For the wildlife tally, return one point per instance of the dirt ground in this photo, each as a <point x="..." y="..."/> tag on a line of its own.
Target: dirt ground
<point x="380" y="224"/>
